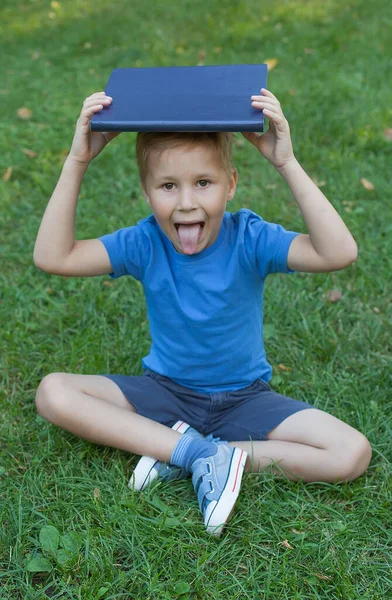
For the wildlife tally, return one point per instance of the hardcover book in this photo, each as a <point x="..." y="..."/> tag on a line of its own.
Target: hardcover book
<point x="203" y="98"/>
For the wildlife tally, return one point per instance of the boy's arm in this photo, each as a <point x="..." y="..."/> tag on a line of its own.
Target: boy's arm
<point x="329" y="246"/>
<point x="56" y="250"/>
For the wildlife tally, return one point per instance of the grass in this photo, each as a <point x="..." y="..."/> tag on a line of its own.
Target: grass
<point x="67" y="500"/>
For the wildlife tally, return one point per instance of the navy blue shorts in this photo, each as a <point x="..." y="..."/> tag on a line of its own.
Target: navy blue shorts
<point x="240" y="415"/>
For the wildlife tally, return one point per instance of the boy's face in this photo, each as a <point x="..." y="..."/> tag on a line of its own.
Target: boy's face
<point x="187" y="189"/>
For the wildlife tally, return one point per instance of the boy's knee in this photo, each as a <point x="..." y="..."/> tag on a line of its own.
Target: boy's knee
<point x="50" y="394"/>
<point x="354" y="459"/>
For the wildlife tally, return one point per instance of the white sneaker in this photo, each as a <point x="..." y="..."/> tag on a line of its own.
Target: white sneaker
<point x="148" y="469"/>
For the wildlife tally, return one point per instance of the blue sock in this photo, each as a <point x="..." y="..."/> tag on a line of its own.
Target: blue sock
<point x="188" y="449"/>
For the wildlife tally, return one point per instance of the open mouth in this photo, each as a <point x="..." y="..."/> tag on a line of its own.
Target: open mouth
<point x="189" y="234"/>
<point x="201" y="223"/>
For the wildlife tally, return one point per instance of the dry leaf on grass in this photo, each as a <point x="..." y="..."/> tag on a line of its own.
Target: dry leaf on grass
<point x="29" y="152"/>
<point x="388" y="134"/>
<point x="367" y="184"/>
<point x="24" y="113"/>
<point x="319" y="182"/>
<point x="334" y="295"/>
<point x="348" y="206"/>
<point x="271" y="63"/>
<point x="7" y="174"/>
<point x="97" y="493"/>
<point x="243" y="568"/>
<point x="286" y="544"/>
<point x="284" y="368"/>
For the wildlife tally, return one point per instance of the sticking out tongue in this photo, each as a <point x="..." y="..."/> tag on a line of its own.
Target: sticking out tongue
<point x="189" y="237"/>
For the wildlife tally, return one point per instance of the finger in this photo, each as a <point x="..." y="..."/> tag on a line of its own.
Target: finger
<point x="96" y="99"/>
<point x="251" y="136"/>
<point x="273" y="115"/>
<point x="265" y="104"/>
<point x="266" y="92"/>
<point x="269" y="108"/>
<point x="266" y="101"/>
<point x="95" y="95"/>
<point x="276" y="118"/>
<point x="263" y="108"/>
<point x="263" y="98"/>
<point x="101" y="102"/>
<point x="87" y="113"/>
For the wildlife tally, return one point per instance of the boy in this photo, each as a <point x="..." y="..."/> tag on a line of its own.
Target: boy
<point x="203" y="271"/>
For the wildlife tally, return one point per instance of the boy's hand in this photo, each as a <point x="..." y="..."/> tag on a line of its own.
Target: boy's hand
<point x="275" y="145"/>
<point x="87" y="144"/>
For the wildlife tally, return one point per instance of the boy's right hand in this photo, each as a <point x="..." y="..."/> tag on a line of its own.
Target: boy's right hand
<point x="87" y="144"/>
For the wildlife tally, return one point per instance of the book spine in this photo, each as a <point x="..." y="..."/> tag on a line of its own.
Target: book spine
<point x="170" y="126"/>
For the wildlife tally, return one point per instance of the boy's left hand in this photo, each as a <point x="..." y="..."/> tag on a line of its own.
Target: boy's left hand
<point x="275" y="145"/>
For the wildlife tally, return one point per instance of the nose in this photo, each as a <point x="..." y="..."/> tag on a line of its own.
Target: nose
<point x="186" y="199"/>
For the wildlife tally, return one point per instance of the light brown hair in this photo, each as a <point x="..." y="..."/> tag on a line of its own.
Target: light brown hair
<point x="220" y="141"/>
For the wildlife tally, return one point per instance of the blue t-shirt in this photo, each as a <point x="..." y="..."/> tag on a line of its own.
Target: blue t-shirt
<point x="205" y="310"/>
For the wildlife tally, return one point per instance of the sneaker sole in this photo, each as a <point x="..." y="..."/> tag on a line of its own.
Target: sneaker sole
<point x="223" y="509"/>
<point x="145" y="471"/>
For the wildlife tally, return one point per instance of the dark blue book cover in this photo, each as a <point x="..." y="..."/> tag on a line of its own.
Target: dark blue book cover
<point x="204" y="98"/>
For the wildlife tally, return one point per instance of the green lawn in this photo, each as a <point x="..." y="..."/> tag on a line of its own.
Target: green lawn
<point x="286" y="540"/>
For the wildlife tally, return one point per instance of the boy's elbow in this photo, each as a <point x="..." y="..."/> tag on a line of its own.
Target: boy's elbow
<point x="39" y="261"/>
<point x="348" y="257"/>
<point x="44" y="265"/>
<point x="352" y="253"/>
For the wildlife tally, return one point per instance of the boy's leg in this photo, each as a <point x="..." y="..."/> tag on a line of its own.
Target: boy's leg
<point x="311" y="445"/>
<point x="94" y="408"/>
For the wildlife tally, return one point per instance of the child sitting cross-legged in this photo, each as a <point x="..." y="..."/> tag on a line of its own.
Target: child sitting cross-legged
<point x="203" y="406"/>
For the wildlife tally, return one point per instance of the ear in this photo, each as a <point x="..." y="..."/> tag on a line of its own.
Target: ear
<point x="232" y="185"/>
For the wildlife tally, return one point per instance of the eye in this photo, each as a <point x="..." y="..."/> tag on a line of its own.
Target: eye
<point x="204" y="183"/>
<point x="168" y="186"/>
